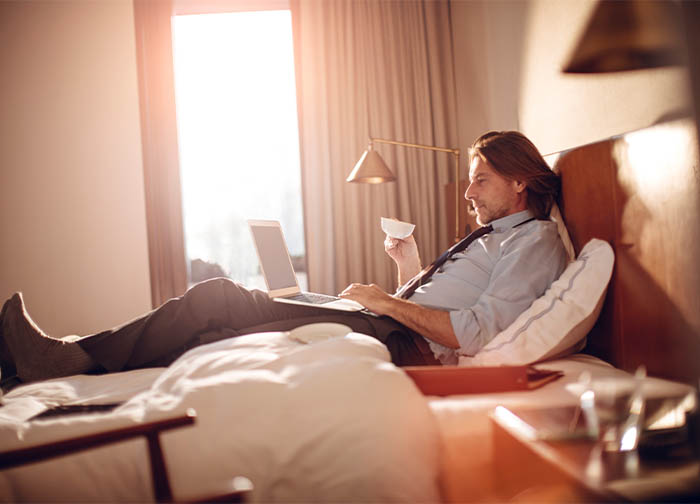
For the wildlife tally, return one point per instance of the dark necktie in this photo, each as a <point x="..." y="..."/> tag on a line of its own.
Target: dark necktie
<point x="422" y="277"/>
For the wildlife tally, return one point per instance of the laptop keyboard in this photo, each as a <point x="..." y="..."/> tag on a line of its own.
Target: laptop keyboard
<point x="311" y="297"/>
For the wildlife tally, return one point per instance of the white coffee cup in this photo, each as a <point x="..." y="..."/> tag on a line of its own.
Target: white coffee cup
<point x="396" y="228"/>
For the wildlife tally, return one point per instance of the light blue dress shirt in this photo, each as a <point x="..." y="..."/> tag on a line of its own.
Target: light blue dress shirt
<point x="494" y="280"/>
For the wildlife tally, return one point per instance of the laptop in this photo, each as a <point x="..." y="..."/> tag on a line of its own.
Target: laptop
<point x="276" y="266"/>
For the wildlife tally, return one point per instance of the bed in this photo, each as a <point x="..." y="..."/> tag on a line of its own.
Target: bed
<point x="332" y="421"/>
<point x="335" y="421"/>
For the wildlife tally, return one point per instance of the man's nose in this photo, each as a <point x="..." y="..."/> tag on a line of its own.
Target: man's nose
<point x="469" y="192"/>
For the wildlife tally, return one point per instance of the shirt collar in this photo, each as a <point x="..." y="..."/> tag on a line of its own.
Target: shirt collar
<point x="512" y="220"/>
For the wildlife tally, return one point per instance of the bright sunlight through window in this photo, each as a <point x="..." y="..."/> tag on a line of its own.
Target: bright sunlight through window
<point x="238" y="138"/>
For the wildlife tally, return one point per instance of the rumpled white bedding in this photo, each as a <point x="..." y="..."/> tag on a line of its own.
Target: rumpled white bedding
<point x="332" y="421"/>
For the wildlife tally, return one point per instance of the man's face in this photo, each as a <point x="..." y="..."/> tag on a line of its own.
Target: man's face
<point x="493" y="195"/>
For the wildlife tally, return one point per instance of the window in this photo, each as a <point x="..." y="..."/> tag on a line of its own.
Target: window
<point x="238" y="139"/>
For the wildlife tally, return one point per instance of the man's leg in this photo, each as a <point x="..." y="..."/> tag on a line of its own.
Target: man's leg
<point x="165" y="332"/>
<point x="211" y="310"/>
<point x="218" y="306"/>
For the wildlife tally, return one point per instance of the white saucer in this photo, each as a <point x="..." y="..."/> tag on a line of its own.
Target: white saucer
<point x="397" y="229"/>
<point x="311" y="333"/>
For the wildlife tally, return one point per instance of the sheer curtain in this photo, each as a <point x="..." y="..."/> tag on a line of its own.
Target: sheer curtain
<point x="382" y="69"/>
<point x="166" y="244"/>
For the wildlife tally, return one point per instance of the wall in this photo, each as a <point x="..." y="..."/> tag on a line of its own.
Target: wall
<point x="559" y="111"/>
<point x="508" y="58"/>
<point x="488" y="41"/>
<point x="72" y="221"/>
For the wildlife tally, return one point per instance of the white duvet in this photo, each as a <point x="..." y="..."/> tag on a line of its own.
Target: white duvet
<point x="332" y="421"/>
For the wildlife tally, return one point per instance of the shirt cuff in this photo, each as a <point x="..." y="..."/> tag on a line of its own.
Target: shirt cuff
<point x="461" y="321"/>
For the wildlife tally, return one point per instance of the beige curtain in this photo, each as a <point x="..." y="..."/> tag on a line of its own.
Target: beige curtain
<point x="166" y="247"/>
<point x="382" y="69"/>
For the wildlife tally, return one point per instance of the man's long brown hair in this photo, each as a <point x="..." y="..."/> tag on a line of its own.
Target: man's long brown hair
<point x="514" y="157"/>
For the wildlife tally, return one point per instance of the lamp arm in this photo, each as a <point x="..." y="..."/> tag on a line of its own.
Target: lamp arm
<point x="417" y="146"/>
<point x="456" y="152"/>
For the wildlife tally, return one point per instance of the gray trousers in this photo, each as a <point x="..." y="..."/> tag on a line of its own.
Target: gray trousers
<point x="220" y="308"/>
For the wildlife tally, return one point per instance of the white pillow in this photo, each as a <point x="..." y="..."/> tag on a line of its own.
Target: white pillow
<point x="556" y="323"/>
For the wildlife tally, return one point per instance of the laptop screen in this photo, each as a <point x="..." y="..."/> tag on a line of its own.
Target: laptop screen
<point x="274" y="257"/>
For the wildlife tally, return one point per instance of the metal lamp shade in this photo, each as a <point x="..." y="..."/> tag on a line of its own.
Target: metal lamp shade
<point x="629" y="35"/>
<point x="371" y="169"/>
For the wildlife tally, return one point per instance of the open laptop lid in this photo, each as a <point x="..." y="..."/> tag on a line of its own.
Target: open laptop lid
<point x="275" y="261"/>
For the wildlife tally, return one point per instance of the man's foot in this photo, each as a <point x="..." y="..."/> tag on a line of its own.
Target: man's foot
<point x="7" y="363"/>
<point x="38" y="356"/>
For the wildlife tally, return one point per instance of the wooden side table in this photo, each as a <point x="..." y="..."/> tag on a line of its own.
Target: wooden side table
<point x="544" y="455"/>
<point x="234" y="491"/>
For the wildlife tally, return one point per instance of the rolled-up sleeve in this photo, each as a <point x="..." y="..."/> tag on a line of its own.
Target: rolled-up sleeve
<point x="525" y="268"/>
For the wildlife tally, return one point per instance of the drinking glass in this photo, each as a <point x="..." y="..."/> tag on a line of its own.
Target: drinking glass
<point x="619" y="406"/>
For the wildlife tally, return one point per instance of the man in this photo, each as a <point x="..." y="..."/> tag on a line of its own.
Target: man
<point x="477" y="291"/>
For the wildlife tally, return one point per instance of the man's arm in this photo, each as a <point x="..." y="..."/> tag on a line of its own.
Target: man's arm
<point x="432" y="324"/>
<point x="522" y="273"/>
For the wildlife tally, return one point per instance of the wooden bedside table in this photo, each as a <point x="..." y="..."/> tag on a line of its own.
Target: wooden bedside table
<point x="544" y="455"/>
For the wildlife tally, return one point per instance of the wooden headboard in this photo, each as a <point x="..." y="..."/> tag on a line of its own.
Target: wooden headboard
<point x="641" y="192"/>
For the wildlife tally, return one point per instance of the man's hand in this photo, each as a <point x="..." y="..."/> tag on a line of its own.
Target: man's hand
<point x="433" y="324"/>
<point x="371" y="297"/>
<point x="405" y="255"/>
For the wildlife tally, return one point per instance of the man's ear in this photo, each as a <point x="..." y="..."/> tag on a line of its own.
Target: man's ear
<point x="519" y="186"/>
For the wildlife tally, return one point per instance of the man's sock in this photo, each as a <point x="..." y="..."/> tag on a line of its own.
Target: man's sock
<point x="36" y="355"/>
<point x="7" y="363"/>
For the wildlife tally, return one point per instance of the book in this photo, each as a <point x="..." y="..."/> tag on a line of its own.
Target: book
<point x="452" y="380"/>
